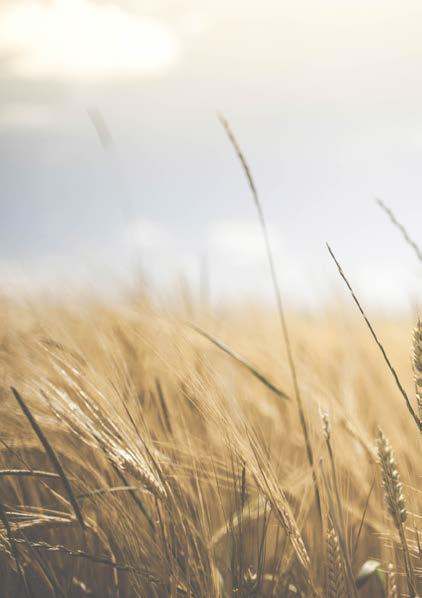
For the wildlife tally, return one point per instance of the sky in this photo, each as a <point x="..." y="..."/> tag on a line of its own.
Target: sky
<point x="324" y="97"/>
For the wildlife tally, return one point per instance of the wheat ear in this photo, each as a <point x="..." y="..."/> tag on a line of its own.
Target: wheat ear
<point x="395" y="501"/>
<point x="340" y="518"/>
<point x="336" y="578"/>
<point x="417" y="365"/>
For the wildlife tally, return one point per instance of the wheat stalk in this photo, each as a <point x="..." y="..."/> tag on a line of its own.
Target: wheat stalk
<point x="93" y="558"/>
<point x="401" y="228"/>
<point x="280" y="308"/>
<point x="376" y="339"/>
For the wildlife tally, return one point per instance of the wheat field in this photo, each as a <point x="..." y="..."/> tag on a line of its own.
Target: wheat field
<point x="142" y="458"/>
<point x="167" y="448"/>
<point x="210" y="335"/>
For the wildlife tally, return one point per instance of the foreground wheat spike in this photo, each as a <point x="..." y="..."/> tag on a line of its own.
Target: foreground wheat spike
<point x="396" y="504"/>
<point x="417" y="365"/>
<point x="88" y="420"/>
<point x="393" y="494"/>
<point x="336" y="581"/>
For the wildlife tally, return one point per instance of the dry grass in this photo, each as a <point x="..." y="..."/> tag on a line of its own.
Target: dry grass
<point x="145" y="460"/>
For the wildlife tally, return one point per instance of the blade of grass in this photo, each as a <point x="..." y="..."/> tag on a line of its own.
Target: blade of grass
<point x="351" y="429"/>
<point x="280" y="393"/>
<point x="52" y="456"/>
<point x="164" y="408"/>
<point x="28" y="473"/>
<point x="135" y="497"/>
<point x="375" y="337"/>
<point x="355" y="547"/>
<point x="101" y="128"/>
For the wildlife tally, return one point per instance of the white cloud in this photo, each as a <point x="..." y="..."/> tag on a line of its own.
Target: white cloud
<point x="148" y="235"/>
<point x="240" y="241"/>
<point x="387" y="285"/>
<point x="80" y="39"/>
<point x="27" y="116"/>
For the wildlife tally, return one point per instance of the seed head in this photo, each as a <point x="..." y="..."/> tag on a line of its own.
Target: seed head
<point x="393" y="493"/>
<point x="417" y="364"/>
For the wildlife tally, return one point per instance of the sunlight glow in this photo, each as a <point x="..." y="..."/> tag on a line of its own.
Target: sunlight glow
<point x="80" y="39"/>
